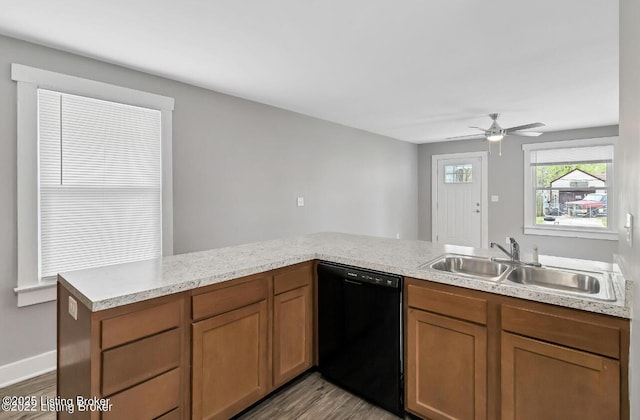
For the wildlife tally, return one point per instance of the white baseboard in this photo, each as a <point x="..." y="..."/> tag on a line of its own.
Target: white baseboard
<point x="27" y="368"/>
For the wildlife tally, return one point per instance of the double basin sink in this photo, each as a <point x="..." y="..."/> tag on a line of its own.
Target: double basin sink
<point x="586" y="284"/>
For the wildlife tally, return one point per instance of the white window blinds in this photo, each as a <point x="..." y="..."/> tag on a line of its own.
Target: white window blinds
<point x="100" y="191"/>
<point x="571" y="155"/>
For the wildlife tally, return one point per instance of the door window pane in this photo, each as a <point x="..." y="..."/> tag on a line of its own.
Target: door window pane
<point x="458" y="174"/>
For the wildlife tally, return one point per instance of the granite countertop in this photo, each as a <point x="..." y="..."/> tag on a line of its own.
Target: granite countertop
<point x="117" y="285"/>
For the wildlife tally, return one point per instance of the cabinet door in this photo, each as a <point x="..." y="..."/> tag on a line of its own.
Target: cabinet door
<point x="547" y="381"/>
<point x="446" y="367"/>
<point x="292" y="334"/>
<point x="229" y="362"/>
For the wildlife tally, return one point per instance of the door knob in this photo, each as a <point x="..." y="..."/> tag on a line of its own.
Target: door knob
<point x="477" y="211"/>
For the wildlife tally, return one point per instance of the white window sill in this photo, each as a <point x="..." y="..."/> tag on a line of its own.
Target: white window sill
<point x="38" y="293"/>
<point x="571" y="233"/>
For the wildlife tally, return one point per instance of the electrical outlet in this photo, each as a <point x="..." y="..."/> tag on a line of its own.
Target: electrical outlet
<point x="495" y="198"/>
<point x="73" y="308"/>
<point x="397" y="235"/>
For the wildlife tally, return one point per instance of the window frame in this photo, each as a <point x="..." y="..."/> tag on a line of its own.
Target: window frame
<point x="30" y="289"/>
<point x="529" y="192"/>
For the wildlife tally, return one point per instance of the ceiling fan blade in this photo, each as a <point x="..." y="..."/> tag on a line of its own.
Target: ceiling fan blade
<point x="524" y="127"/>
<point x="479" y="128"/>
<point x="470" y="136"/>
<point x="525" y="133"/>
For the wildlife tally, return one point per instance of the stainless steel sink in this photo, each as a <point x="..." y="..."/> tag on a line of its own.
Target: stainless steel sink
<point x="469" y="266"/>
<point x="587" y="284"/>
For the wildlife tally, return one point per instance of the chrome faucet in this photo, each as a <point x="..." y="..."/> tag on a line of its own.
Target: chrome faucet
<point x="515" y="250"/>
<point x="515" y="253"/>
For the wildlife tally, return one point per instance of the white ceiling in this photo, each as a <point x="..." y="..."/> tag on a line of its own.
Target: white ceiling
<point x="415" y="70"/>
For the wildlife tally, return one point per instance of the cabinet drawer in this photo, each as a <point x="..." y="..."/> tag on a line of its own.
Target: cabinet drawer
<point x="136" y="362"/>
<point x="444" y="303"/>
<point x="224" y="300"/>
<point x="567" y="331"/>
<point x="125" y="328"/>
<point x="171" y="415"/>
<point x="148" y="400"/>
<point x="292" y="279"/>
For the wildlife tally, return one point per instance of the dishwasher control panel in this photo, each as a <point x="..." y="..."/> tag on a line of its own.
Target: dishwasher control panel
<point x="365" y="276"/>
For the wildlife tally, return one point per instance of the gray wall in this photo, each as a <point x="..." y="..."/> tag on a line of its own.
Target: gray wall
<point x="629" y="193"/>
<point x="237" y="179"/>
<point x="238" y="168"/>
<point x="506" y="180"/>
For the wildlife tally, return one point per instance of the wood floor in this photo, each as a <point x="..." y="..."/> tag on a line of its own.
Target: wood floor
<point x="44" y="385"/>
<point x="310" y="397"/>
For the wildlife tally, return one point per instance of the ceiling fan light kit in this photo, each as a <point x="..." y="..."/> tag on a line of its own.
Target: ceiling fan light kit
<point x="495" y="133"/>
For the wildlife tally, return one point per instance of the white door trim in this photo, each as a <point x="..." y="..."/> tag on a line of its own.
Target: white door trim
<point x="484" y="188"/>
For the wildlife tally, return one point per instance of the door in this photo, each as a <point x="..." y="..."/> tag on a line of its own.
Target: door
<point x="446" y="367"/>
<point x="292" y="334"/>
<point x="229" y="362"/>
<point x="547" y="381"/>
<point x="459" y="207"/>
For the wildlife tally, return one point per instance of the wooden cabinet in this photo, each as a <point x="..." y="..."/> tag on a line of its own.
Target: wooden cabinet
<point x="249" y="336"/>
<point x="135" y="355"/>
<point x="204" y="354"/>
<point x="476" y="355"/>
<point x="561" y="364"/>
<point x="468" y="354"/>
<point x="446" y="368"/>
<point x="292" y="325"/>
<point x="545" y="381"/>
<point x="229" y="361"/>
<point x="230" y="340"/>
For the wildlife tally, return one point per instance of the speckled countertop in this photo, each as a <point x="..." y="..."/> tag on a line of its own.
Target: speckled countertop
<point x="117" y="285"/>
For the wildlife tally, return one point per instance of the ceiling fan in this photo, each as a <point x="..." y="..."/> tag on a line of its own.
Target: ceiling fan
<point x="497" y="133"/>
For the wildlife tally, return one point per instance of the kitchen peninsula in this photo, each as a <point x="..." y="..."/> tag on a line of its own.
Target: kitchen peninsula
<point x="261" y="298"/>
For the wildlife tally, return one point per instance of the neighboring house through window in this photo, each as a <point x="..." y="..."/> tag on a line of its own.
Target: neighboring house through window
<point x="568" y="188"/>
<point x="94" y="177"/>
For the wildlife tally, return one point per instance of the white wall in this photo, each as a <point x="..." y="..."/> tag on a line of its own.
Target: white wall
<point x="629" y="193"/>
<point x="238" y="167"/>
<point x="506" y="180"/>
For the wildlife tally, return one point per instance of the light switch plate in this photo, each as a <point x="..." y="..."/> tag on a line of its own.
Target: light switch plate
<point x="300" y="201"/>
<point x="73" y="308"/>
<point x="628" y="226"/>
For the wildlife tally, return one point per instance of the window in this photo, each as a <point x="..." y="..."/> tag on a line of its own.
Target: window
<point x="94" y="177"/>
<point x="568" y="186"/>
<point x="99" y="183"/>
<point x="458" y="174"/>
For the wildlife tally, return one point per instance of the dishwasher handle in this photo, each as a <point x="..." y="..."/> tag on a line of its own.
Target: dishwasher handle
<point x="352" y="282"/>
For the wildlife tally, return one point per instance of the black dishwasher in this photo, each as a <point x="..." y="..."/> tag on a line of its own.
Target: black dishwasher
<point x="360" y="333"/>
